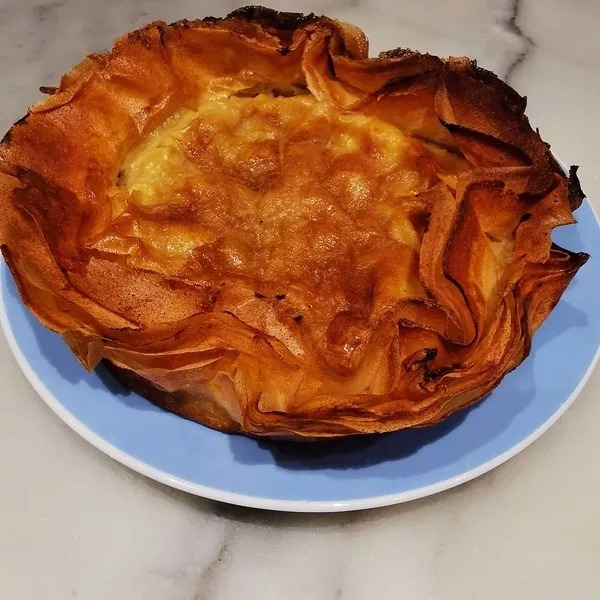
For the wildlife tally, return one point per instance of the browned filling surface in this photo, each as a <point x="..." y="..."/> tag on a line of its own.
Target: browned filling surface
<point x="316" y="205"/>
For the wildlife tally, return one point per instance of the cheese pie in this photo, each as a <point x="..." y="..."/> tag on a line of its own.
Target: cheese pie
<point x="260" y="228"/>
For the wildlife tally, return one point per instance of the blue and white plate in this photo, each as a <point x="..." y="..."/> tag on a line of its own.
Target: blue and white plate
<point x="332" y="476"/>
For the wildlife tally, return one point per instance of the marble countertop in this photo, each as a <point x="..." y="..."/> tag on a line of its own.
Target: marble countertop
<point x="75" y="524"/>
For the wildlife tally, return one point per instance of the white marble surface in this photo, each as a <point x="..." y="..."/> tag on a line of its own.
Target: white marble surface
<point x="74" y="524"/>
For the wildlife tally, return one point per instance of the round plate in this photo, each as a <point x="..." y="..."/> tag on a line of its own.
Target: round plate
<point x="349" y="474"/>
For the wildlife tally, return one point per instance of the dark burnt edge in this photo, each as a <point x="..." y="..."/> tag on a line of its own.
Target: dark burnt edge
<point x="8" y="134"/>
<point x="509" y="97"/>
<point x="430" y="376"/>
<point x="280" y="23"/>
<point x="512" y="102"/>
<point x="398" y="84"/>
<point x="525" y="217"/>
<point x="161" y="34"/>
<point x="429" y="355"/>
<point x="488" y="139"/>
<point x="48" y="89"/>
<point x="576" y="194"/>
<point x="397" y="53"/>
<point x="331" y="65"/>
<point x="286" y="21"/>
<point x="22" y="120"/>
<point x="577" y="259"/>
<point x="141" y="36"/>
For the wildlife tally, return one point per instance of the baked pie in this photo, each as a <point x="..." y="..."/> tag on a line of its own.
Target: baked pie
<point x="261" y="229"/>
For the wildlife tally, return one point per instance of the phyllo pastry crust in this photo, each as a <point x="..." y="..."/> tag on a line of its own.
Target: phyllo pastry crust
<point x="262" y="229"/>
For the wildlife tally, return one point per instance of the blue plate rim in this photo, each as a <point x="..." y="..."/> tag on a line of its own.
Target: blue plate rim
<point x="301" y="506"/>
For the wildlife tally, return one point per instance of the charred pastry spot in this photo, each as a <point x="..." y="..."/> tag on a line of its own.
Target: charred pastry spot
<point x="283" y="51"/>
<point x="396" y="53"/>
<point x="510" y="98"/>
<point x="259" y="295"/>
<point x="492" y="142"/>
<point x="141" y="36"/>
<point x="280" y="297"/>
<point x="420" y="358"/>
<point x="492" y="237"/>
<point x="47" y="89"/>
<point x="420" y="221"/>
<point x="271" y="18"/>
<point x="430" y="353"/>
<point x="331" y="65"/>
<point x="298" y="319"/>
<point x="526" y="216"/>
<point x="579" y="259"/>
<point x="161" y="35"/>
<point x="433" y="375"/>
<point x="213" y="298"/>
<point x="184" y="23"/>
<point x="370" y="293"/>
<point x="398" y="84"/>
<point x="426" y="220"/>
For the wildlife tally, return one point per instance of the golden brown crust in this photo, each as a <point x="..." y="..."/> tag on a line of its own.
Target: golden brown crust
<point x="380" y="283"/>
